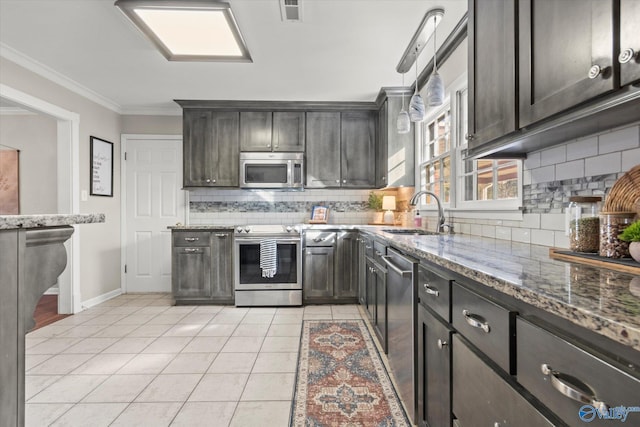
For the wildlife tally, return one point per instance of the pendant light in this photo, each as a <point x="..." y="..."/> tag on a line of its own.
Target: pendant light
<point x="435" y="86"/>
<point x="403" y="124"/>
<point x="416" y="106"/>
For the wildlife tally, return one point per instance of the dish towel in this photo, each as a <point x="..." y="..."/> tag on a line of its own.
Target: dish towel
<point x="268" y="258"/>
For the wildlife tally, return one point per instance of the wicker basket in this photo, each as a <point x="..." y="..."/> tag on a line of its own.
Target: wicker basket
<point x="625" y="193"/>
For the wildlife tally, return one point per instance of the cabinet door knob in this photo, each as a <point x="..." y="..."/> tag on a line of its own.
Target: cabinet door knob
<point x="208" y="180"/>
<point x="442" y="344"/>
<point x="213" y="180"/>
<point x="268" y="145"/>
<point x="344" y="181"/>
<point x="626" y="55"/>
<point x="596" y="71"/>
<point x="338" y="181"/>
<point x="469" y="136"/>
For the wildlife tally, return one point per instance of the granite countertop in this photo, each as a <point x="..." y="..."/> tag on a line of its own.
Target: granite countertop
<point x="8" y="222"/>
<point x="201" y="227"/>
<point x="602" y="300"/>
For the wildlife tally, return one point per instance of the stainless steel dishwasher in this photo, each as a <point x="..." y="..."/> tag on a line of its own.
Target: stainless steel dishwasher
<point x="402" y="273"/>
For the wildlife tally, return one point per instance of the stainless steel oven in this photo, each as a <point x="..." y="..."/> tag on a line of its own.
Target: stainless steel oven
<point x="272" y="170"/>
<point x="252" y="288"/>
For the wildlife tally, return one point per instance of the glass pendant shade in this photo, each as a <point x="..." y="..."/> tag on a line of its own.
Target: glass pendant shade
<point x="435" y="90"/>
<point x="416" y="108"/>
<point x="403" y="123"/>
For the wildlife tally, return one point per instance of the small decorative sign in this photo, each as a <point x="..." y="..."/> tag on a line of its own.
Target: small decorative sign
<point x="101" y="167"/>
<point x="319" y="215"/>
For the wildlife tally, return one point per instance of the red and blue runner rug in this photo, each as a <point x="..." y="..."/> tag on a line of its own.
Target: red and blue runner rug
<point x="341" y="380"/>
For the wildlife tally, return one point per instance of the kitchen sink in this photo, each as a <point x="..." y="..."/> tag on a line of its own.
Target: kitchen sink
<point x="416" y="231"/>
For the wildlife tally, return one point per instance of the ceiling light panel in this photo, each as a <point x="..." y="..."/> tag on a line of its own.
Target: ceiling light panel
<point x="189" y="30"/>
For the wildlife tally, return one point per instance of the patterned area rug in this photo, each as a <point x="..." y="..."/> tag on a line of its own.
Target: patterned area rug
<point x="341" y="380"/>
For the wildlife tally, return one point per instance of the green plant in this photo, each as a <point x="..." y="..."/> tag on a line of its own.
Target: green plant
<point x="375" y="201"/>
<point x="631" y="233"/>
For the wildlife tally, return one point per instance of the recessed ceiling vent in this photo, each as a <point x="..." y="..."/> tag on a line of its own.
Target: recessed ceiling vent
<point x="291" y="10"/>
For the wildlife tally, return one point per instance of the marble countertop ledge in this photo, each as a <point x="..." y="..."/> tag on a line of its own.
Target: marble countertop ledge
<point x="201" y="227"/>
<point x="9" y="222"/>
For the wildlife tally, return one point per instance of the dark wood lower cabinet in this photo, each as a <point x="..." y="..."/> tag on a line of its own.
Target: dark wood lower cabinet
<point x="433" y="382"/>
<point x="484" y="397"/>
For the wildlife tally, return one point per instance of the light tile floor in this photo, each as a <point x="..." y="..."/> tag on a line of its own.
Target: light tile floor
<point x="136" y="360"/>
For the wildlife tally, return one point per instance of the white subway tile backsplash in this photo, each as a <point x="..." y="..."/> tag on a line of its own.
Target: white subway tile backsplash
<point x="542" y="237"/>
<point x="569" y="170"/>
<point x="530" y="220"/>
<point x="621" y="139"/>
<point x="489" y="231"/>
<point x="630" y="158"/>
<point x="543" y="174"/>
<point x="532" y="161"/>
<point x="602" y="165"/>
<point x="552" y="221"/>
<point x="561" y="240"/>
<point x="503" y="233"/>
<point x="522" y="235"/>
<point x="582" y="148"/>
<point x="553" y="156"/>
<point x="476" y="230"/>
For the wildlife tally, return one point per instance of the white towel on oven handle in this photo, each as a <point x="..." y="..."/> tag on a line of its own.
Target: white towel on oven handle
<point x="268" y="258"/>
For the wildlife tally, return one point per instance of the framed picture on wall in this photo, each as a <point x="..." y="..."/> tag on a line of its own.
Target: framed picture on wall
<point x="101" y="167"/>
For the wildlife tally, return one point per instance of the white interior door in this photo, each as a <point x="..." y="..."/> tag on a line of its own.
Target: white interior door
<point x="154" y="200"/>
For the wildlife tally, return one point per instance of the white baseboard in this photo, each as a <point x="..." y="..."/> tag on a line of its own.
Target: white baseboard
<point x="101" y="298"/>
<point x="54" y="290"/>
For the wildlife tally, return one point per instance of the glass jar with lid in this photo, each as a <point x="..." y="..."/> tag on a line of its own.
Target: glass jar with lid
<point x="583" y="224"/>
<point x="611" y="225"/>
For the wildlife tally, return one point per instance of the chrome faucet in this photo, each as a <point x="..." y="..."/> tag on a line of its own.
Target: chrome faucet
<point x="414" y="201"/>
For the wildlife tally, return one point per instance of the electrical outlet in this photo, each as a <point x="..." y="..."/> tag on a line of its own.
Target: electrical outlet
<point x="83" y="196"/>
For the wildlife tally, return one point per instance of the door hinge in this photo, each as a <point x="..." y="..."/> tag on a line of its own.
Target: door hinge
<point x="125" y="155"/>
<point x="125" y="269"/>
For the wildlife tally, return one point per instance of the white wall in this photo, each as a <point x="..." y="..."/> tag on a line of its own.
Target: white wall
<point x="35" y="136"/>
<point x="99" y="243"/>
<point x="152" y="125"/>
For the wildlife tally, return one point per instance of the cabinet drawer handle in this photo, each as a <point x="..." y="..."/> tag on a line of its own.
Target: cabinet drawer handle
<point x="191" y="239"/>
<point x="442" y="344"/>
<point x="431" y="291"/>
<point x="318" y="239"/>
<point x="378" y="253"/>
<point x="193" y="250"/>
<point x="221" y="235"/>
<point x="476" y="321"/>
<point x="570" y="387"/>
<point x="626" y="55"/>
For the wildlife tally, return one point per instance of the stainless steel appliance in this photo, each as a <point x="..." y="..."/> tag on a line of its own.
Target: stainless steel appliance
<point x="401" y="336"/>
<point x="272" y="170"/>
<point x="285" y="287"/>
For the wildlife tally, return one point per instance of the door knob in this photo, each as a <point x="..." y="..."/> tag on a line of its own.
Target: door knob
<point x="626" y="55"/>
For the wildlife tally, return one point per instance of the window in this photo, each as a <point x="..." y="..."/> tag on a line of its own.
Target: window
<point x="478" y="184"/>
<point x="435" y="165"/>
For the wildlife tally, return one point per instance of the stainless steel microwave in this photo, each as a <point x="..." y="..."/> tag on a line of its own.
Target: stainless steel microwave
<point x="272" y="170"/>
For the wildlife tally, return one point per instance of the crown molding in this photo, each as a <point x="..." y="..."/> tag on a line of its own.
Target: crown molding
<point x="50" y="74"/>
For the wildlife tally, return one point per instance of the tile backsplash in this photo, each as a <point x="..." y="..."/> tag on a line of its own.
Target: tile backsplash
<point x="233" y="207"/>
<point x="587" y="166"/>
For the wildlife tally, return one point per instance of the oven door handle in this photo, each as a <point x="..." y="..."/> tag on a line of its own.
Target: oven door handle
<point x="256" y="241"/>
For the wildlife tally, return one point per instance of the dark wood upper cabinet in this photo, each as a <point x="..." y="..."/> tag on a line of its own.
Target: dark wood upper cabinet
<point x="323" y="150"/>
<point x="629" y="41"/>
<point x="288" y="131"/>
<point x="255" y="130"/>
<point x="210" y="149"/>
<point x="492" y="70"/>
<point x="358" y="147"/>
<point x="566" y="55"/>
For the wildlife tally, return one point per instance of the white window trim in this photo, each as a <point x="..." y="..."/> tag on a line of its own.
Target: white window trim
<point x="497" y="209"/>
